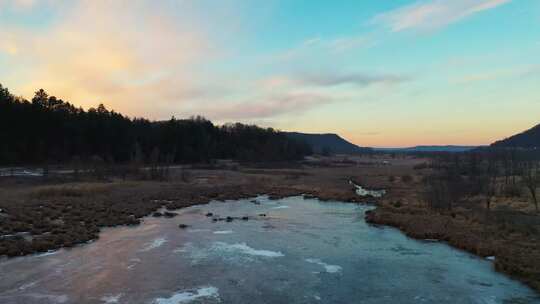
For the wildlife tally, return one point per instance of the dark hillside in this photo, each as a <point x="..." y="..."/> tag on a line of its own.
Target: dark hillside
<point x="527" y="139"/>
<point x="333" y="142"/>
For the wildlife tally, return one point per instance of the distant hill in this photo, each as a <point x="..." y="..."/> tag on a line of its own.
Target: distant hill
<point x="333" y="142"/>
<point x="452" y="149"/>
<point x="527" y="139"/>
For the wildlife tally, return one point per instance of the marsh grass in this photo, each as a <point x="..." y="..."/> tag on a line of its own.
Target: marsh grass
<point x="71" y="190"/>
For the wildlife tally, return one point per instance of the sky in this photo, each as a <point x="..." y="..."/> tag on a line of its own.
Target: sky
<point x="385" y="73"/>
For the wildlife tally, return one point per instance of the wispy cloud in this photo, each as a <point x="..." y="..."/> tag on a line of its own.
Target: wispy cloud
<point x="336" y="45"/>
<point x="328" y="78"/>
<point x="299" y="93"/>
<point x="433" y="14"/>
<point x="357" y="79"/>
<point x="267" y="107"/>
<point x="17" y="4"/>
<point x="325" y="47"/>
<point x="517" y="72"/>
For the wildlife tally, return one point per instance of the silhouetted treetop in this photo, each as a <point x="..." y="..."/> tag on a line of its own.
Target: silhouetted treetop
<point x="48" y="129"/>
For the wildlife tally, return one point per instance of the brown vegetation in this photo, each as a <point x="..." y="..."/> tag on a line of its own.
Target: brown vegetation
<point x="40" y="214"/>
<point x="478" y="204"/>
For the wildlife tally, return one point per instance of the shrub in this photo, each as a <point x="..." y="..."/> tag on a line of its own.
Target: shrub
<point x="512" y="191"/>
<point x="421" y="166"/>
<point x="406" y="179"/>
<point x="75" y="190"/>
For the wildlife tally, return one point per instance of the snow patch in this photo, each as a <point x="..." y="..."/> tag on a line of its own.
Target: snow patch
<point x="190" y="295"/>
<point x="280" y="207"/>
<point x="59" y="299"/>
<point x="20" y="172"/>
<point x="195" y="253"/>
<point x="223" y="232"/>
<point x="239" y="253"/>
<point x="360" y="191"/>
<point x="50" y="252"/>
<point x="329" y="268"/>
<point x="198" y="230"/>
<point x="154" y="244"/>
<point x="243" y="248"/>
<point x="134" y="262"/>
<point x="111" y="299"/>
<point x="28" y="285"/>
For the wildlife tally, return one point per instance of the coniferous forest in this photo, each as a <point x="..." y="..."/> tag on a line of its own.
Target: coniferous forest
<point x="47" y="129"/>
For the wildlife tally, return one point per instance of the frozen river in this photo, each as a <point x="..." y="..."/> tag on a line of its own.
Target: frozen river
<point x="302" y="251"/>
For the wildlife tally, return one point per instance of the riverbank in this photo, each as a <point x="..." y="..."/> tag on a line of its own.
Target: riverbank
<point x="508" y="234"/>
<point x="309" y="252"/>
<point x="38" y="215"/>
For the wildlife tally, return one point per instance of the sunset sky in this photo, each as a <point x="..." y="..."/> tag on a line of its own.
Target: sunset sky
<point x="380" y="73"/>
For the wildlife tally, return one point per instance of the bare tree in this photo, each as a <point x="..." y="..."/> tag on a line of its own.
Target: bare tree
<point x="436" y="193"/>
<point x="531" y="180"/>
<point x="490" y="185"/>
<point x="444" y="189"/>
<point x="513" y="165"/>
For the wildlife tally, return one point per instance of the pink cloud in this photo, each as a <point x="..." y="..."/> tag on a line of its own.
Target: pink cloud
<point x="126" y="56"/>
<point x="433" y="14"/>
<point x="291" y="103"/>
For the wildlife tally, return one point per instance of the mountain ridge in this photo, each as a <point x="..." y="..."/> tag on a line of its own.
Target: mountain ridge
<point x="529" y="139"/>
<point x="332" y="142"/>
<point x="429" y="148"/>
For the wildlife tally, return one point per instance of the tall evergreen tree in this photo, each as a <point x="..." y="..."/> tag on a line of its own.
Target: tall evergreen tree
<point x="48" y="129"/>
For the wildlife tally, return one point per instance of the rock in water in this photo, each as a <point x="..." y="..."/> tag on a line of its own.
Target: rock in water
<point x="170" y="214"/>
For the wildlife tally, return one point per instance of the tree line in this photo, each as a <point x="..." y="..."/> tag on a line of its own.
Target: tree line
<point x="47" y="129"/>
<point x="483" y="173"/>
